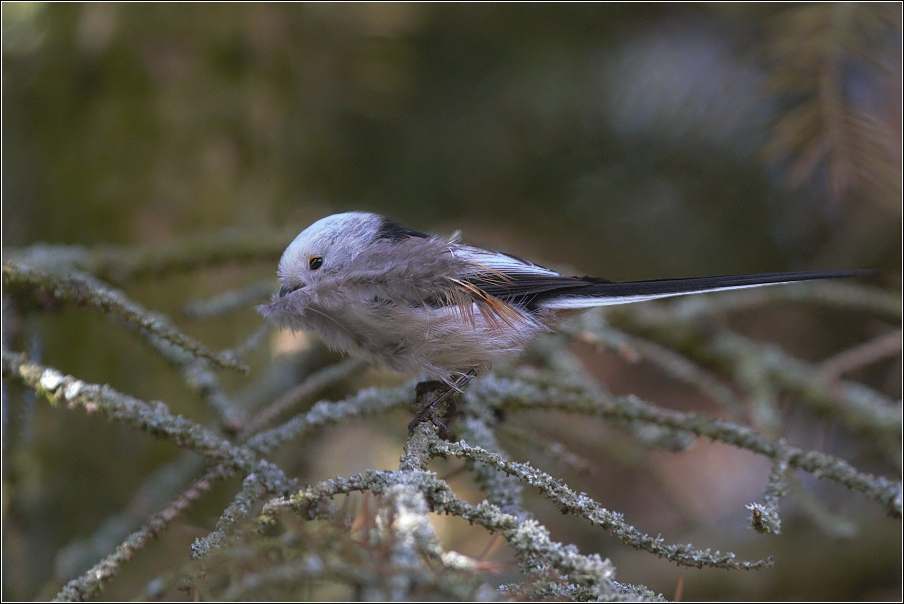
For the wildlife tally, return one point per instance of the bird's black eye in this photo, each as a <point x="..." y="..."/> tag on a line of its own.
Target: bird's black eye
<point x="315" y="262"/>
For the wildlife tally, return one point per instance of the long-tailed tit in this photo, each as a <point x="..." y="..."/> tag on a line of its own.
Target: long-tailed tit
<point x="416" y="303"/>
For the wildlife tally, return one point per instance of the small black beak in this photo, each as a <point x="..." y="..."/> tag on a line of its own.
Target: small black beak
<point x="285" y="290"/>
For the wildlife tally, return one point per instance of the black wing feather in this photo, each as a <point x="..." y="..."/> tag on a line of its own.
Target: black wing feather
<point x="393" y="231"/>
<point x="519" y="284"/>
<point x="530" y="291"/>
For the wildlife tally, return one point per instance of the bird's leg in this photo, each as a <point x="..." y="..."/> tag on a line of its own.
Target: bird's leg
<point x="427" y="411"/>
<point x="427" y="394"/>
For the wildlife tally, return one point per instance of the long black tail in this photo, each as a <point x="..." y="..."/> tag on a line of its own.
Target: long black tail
<point x="602" y="294"/>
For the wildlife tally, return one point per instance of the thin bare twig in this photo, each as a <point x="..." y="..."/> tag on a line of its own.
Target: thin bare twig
<point x="859" y="356"/>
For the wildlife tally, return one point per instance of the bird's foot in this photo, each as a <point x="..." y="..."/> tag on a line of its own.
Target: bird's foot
<point x="429" y="396"/>
<point x="431" y="409"/>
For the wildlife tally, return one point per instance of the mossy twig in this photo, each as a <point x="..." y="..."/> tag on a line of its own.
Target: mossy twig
<point x="153" y="417"/>
<point x="82" y="289"/>
<point x="91" y="583"/>
<point x="581" y="505"/>
<point x="514" y="395"/>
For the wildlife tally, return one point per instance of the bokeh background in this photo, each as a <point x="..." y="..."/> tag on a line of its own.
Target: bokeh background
<point x="622" y="141"/>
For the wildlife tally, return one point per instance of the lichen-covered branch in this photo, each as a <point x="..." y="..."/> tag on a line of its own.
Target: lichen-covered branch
<point x="581" y="505"/>
<point x="862" y="409"/>
<point x="676" y="365"/>
<point x="251" y="343"/>
<point x="313" y="384"/>
<point x="556" y="451"/>
<point x="197" y="375"/>
<point x="407" y="532"/>
<point x="549" y="586"/>
<point x="501" y="490"/>
<point x="238" y="299"/>
<point x="82" y="289"/>
<point x="153" y="417"/>
<point x="368" y="401"/>
<point x="91" y="583"/>
<point x="764" y="517"/>
<point x="120" y="263"/>
<point x="512" y="395"/>
<point x="238" y="510"/>
<point x="155" y="491"/>
<point x="528" y="538"/>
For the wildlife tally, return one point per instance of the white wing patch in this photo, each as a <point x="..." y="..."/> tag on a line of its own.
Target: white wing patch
<point x="502" y="263"/>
